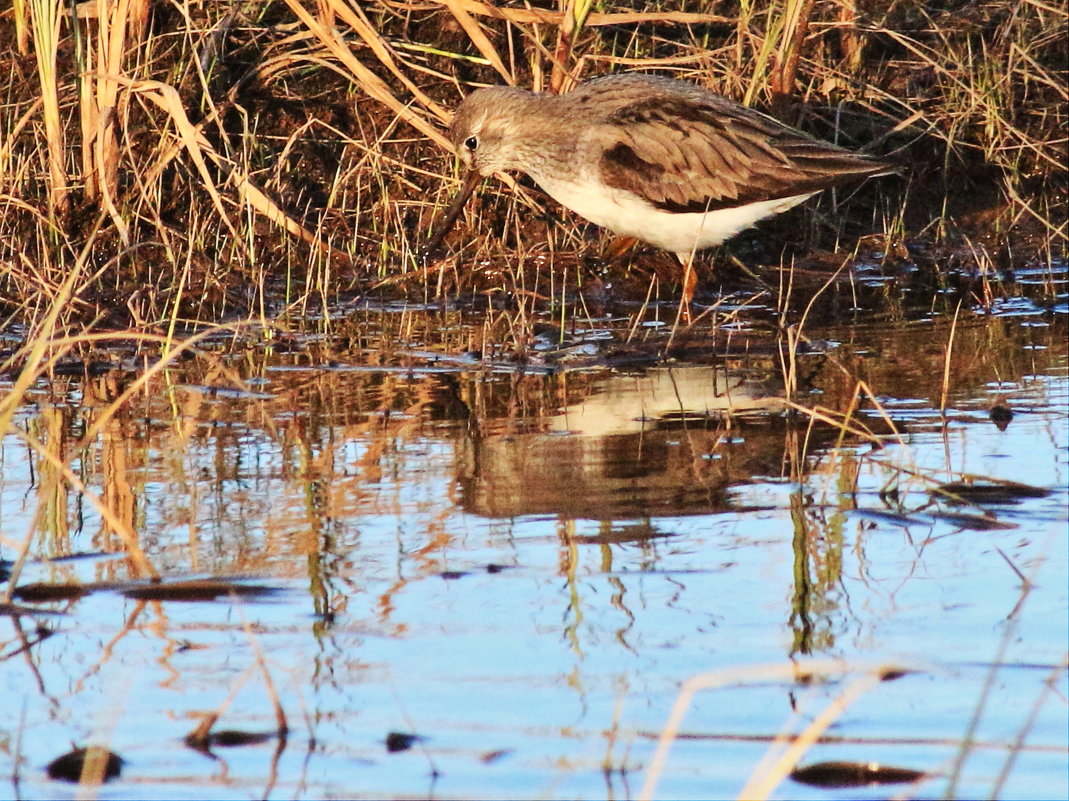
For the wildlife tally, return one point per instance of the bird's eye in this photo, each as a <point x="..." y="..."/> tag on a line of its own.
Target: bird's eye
<point x="471" y="143"/>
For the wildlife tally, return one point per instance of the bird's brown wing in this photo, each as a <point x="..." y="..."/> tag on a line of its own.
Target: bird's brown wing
<point x="684" y="155"/>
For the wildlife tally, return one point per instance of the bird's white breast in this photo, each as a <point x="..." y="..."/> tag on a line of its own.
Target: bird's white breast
<point x="630" y="215"/>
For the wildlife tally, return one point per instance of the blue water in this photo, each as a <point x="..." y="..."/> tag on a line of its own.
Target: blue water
<point x="629" y="553"/>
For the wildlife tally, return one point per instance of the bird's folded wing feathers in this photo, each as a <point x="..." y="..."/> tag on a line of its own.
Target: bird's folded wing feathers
<point x="688" y="156"/>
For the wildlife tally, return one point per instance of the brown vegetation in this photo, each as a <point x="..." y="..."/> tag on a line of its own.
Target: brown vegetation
<point x="192" y="163"/>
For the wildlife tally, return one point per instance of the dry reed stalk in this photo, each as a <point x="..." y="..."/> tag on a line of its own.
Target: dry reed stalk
<point x="1043" y="697"/>
<point x="851" y="42"/>
<point x="1057" y="229"/>
<point x="102" y="139"/>
<point x="785" y="753"/>
<point x="200" y="737"/>
<point x="99" y="108"/>
<point x="479" y="39"/>
<point x="944" y="390"/>
<point x="22" y="27"/>
<point x="8" y="143"/>
<point x="784" y="72"/>
<point x="94" y="768"/>
<point x="137" y="19"/>
<point x="789" y="361"/>
<point x="363" y="77"/>
<point x="593" y="20"/>
<point x="198" y="147"/>
<point x="281" y="725"/>
<point x="575" y="14"/>
<point x="839" y="421"/>
<point x="87" y="111"/>
<point x="358" y="21"/>
<point x="45" y="19"/>
<point x="748" y="674"/>
<point x="37" y="345"/>
<point x="192" y="139"/>
<point x="763" y="48"/>
<point x="990" y="694"/>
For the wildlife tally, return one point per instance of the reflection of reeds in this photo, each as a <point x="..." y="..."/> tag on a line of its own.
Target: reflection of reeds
<point x="48" y="343"/>
<point x="321" y="446"/>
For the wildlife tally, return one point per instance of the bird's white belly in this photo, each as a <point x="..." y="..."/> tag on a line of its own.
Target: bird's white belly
<point x="680" y="233"/>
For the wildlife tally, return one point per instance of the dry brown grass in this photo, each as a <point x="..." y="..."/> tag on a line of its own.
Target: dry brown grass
<point x="204" y="163"/>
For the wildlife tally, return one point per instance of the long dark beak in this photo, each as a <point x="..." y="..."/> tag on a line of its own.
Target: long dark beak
<point x="471" y="180"/>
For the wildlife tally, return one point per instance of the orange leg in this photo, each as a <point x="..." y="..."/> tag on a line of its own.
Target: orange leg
<point x="690" y="281"/>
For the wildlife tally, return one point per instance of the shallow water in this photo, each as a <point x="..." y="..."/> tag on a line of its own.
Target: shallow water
<point x="521" y="563"/>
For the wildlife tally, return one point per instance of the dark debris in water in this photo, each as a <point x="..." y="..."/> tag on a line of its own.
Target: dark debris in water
<point x="14" y="610"/>
<point x="227" y="738"/>
<point x="397" y="741"/>
<point x="209" y="589"/>
<point x="79" y="367"/>
<point x="492" y="569"/>
<point x="625" y="534"/>
<point x="452" y="575"/>
<point x="197" y="590"/>
<point x="84" y="556"/>
<point x="103" y="765"/>
<point x="203" y="739"/>
<point x="887" y="516"/>
<point x="38" y="593"/>
<point x="1001" y="415"/>
<point x="233" y="738"/>
<point x="853" y="774"/>
<point x="973" y="522"/>
<point x="967" y="522"/>
<point x="989" y="491"/>
<point x="894" y="674"/>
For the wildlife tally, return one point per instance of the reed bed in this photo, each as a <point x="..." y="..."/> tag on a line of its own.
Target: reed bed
<point x="201" y="162"/>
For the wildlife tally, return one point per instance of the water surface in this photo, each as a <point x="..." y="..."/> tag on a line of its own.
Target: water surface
<point x="521" y="562"/>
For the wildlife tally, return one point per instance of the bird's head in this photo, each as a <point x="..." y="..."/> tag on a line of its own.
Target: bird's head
<point x="487" y="129"/>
